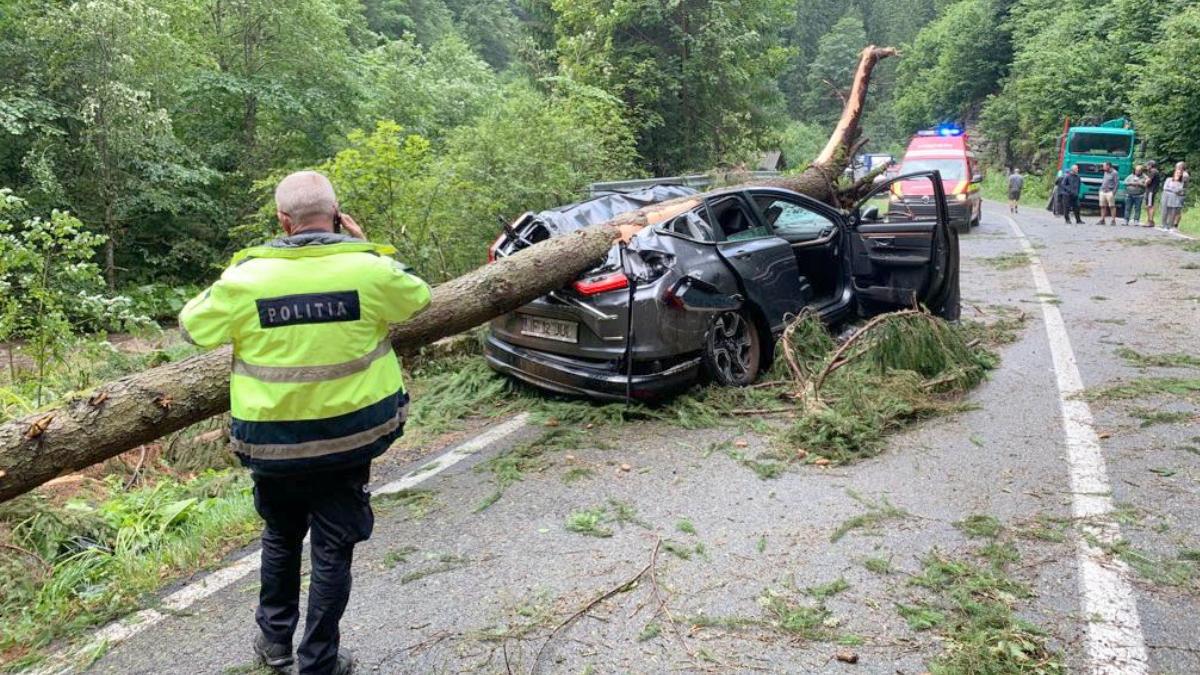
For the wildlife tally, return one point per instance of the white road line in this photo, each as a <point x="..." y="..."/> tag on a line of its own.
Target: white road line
<point x="120" y="631"/>
<point x="454" y="456"/>
<point x="1114" y="640"/>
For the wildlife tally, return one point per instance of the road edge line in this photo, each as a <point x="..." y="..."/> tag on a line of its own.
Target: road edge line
<point x="123" y="629"/>
<point x="1114" y="640"/>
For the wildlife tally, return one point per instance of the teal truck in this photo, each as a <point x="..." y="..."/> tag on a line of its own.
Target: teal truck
<point x="1090" y="147"/>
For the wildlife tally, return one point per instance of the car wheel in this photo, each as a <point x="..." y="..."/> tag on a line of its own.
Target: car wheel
<point x="732" y="350"/>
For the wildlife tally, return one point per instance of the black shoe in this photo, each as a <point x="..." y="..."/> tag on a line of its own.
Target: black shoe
<point x="345" y="663"/>
<point x="272" y="654"/>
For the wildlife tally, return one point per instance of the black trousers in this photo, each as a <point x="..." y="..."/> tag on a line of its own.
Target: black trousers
<point x="1070" y="204"/>
<point x="336" y="507"/>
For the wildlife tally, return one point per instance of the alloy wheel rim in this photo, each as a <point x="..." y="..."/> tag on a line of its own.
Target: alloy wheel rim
<point x="731" y="347"/>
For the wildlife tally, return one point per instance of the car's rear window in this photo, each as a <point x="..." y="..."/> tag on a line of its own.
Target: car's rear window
<point x="952" y="169"/>
<point x="735" y="221"/>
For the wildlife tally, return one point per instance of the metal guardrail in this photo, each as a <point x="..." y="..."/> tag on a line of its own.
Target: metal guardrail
<point x="698" y="181"/>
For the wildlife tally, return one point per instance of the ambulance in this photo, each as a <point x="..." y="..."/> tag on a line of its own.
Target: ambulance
<point x="947" y="151"/>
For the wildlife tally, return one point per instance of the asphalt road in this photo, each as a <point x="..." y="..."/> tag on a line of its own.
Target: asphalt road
<point x="449" y="589"/>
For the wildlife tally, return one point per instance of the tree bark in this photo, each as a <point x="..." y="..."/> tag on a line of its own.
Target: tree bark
<point x="89" y="428"/>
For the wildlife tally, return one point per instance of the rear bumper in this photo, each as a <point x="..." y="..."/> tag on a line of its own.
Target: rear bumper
<point x="571" y="376"/>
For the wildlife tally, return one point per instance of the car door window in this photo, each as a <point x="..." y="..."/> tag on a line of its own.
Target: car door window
<point x="691" y="226"/>
<point x="735" y="221"/>
<point x="792" y="220"/>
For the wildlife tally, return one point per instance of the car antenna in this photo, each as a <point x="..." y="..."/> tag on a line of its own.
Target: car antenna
<point x="621" y="247"/>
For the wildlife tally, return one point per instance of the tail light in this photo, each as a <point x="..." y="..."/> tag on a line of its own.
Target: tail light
<point x="613" y="281"/>
<point x="495" y="247"/>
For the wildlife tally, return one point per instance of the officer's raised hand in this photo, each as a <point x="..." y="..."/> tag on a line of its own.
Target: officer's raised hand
<point x="351" y="227"/>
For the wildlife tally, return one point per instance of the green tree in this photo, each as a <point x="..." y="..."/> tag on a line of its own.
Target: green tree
<point x="384" y="178"/>
<point x="49" y="287"/>
<point x="698" y="79"/>
<point x="811" y="21"/>
<point x="1064" y="64"/>
<point x="952" y="66"/>
<point x="1166" y="102"/>
<point x="428" y="91"/>
<point x="832" y="69"/>
<point x="426" y="21"/>
<point x="278" y="84"/>
<point x="111" y="156"/>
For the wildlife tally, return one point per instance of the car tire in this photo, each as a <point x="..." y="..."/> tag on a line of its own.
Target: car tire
<point x="978" y="217"/>
<point x="732" y="350"/>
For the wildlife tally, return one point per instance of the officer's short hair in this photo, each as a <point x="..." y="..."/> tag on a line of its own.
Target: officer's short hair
<point x="305" y="195"/>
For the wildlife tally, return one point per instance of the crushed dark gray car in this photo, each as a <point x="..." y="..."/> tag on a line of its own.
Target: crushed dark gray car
<point x="708" y="286"/>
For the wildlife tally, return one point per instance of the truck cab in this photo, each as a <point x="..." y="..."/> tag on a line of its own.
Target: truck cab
<point x="1090" y="148"/>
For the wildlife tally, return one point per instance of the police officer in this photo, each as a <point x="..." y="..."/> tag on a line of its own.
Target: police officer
<point x="315" y="394"/>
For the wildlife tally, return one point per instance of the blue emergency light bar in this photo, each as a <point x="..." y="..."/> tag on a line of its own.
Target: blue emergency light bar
<point x="942" y="130"/>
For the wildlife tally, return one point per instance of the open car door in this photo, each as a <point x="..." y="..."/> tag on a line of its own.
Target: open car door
<point x="905" y="254"/>
<point x="763" y="261"/>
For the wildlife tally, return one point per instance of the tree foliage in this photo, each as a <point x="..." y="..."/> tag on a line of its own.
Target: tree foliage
<point x="951" y="65"/>
<point x="698" y="79"/>
<point x="160" y="124"/>
<point x="1166" y="98"/>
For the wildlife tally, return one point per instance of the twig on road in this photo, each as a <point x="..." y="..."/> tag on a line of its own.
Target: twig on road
<point x="621" y="588"/>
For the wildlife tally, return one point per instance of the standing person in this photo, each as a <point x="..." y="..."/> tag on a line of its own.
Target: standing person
<point x="1135" y="190"/>
<point x="1068" y="195"/>
<point x="1015" y="183"/>
<point x="1054" y="205"/>
<point x="1153" y="184"/>
<point x="316" y="393"/>
<point x="1108" y="194"/>
<point x="1174" y="189"/>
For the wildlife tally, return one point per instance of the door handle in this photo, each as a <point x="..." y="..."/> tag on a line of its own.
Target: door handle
<point x="884" y="242"/>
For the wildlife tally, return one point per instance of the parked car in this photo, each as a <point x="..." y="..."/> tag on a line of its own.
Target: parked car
<point x="707" y="287"/>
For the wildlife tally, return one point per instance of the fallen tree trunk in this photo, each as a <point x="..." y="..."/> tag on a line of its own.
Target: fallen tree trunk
<point x="120" y="415"/>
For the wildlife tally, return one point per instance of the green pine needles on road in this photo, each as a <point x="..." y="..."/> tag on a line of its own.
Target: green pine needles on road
<point x="904" y="367"/>
<point x="826" y="403"/>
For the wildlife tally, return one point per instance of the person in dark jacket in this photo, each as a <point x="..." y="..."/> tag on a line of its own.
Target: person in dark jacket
<point x="315" y="394"/>
<point x="1153" y="185"/>
<point x="1068" y="195"/>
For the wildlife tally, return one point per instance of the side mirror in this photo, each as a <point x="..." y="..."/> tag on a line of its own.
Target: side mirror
<point x="871" y="214"/>
<point x="977" y="178"/>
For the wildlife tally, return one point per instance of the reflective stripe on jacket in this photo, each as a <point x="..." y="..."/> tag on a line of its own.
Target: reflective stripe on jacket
<point x="314" y="383"/>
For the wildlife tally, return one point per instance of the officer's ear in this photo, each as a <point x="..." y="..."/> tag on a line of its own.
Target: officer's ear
<point x="285" y="221"/>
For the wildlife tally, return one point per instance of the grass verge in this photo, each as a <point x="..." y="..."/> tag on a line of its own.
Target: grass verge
<point x="71" y="567"/>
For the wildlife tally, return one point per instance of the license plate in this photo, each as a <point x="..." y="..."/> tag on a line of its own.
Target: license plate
<point x="550" y="329"/>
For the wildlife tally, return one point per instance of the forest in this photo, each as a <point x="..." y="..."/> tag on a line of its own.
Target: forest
<point x="142" y="140"/>
<point x="160" y="125"/>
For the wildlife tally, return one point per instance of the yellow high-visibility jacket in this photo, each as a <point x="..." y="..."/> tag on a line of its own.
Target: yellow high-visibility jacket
<point x="315" y="383"/>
